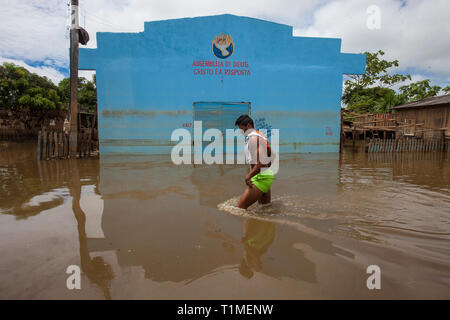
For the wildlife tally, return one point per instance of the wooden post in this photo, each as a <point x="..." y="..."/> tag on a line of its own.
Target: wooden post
<point x="340" y="137"/>
<point x="49" y="145"/>
<point x="44" y="144"/>
<point x="59" y="145"/>
<point x="39" y="151"/>
<point x="55" y="139"/>
<point x="66" y="144"/>
<point x="74" y="79"/>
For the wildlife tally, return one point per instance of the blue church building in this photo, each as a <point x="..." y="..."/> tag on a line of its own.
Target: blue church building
<point x="213" y="69"/>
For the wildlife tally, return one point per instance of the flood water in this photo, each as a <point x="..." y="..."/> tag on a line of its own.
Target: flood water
<point x="141" y="227"/>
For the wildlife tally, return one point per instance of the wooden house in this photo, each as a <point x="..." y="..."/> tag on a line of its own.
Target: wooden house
<point x="428" y="118"/>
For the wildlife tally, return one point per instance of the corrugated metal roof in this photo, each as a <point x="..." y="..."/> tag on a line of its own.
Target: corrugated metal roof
<point x="431" y="101"/>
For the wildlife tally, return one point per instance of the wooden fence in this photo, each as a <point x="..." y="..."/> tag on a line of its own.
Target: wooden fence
<point x="54" y="144"/>
<point x="407" y="144"/>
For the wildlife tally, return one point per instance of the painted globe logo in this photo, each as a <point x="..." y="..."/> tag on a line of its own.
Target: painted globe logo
<point x="223" y="46"/>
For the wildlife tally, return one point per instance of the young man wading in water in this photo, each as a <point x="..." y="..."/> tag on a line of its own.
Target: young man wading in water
<point x="259" y="155"/>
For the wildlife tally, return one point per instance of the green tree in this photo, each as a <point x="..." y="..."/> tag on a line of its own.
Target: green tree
<point x="419" y="90"/>
<point x="20" y="89"/>
<point x="376" y="100"/>
<point x="87" y="93"/>
<point x="376" y="74"/>
<point x="13" y="84"/>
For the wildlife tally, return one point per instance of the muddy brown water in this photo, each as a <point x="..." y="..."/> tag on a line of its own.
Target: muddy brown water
<point x="141" y="227"/>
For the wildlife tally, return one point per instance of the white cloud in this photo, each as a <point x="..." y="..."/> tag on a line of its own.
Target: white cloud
<point x="415" y="34"/>
<point x="34" y="30"/>
<point x="129" y="16"/>
<point x="54" y="75"/>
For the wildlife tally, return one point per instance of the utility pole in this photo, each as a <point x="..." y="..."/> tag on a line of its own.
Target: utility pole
<point x="74" y="26"/>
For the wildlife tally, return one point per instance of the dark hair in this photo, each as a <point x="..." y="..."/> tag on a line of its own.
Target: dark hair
<point x="244" y="120"/>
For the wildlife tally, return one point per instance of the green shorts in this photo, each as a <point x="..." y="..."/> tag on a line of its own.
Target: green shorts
<point x="263" y="180"/>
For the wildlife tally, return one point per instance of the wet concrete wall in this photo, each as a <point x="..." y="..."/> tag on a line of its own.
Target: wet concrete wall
<point x="147" y="82"/>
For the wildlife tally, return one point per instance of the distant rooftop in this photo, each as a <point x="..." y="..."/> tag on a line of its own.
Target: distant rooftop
<point x="431" y="101"/>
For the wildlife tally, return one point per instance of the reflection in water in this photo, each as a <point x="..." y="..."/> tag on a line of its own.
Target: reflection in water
<point x="32" y="187"/>
<point x="328" y="211"/>
<point x="258" y="236"/>
<point x="97" y="271"/>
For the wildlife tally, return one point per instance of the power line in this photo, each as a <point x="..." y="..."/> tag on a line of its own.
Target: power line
<point x="104" y="22"/>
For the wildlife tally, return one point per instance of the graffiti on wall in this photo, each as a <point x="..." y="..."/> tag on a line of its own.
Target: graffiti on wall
<point x="261" y="124"/>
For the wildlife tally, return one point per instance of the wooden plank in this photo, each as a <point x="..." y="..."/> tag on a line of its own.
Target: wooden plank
<point x="55" y="139"/>
<point x="44" y="144"/>
<point x="52" y="148"/>
<point x="39" y="151"/>
<point x="55" y="142"/>
<point x="49" y="144"/>
<point x="59" y="144"/>
<point x="65" y="144"/>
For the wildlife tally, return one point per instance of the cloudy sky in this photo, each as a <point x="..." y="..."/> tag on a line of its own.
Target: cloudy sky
<point x="34" y="34"/>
